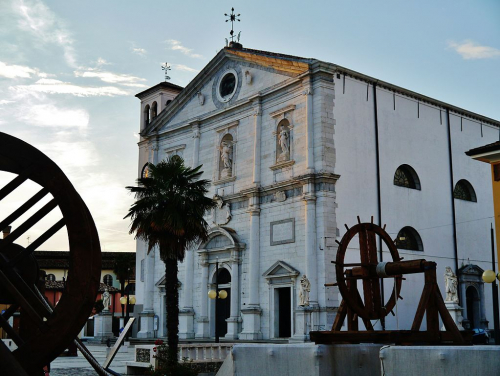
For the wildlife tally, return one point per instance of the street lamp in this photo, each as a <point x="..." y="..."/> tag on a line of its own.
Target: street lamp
<point x="127" y="301"/>
<point x="216" y="294"/>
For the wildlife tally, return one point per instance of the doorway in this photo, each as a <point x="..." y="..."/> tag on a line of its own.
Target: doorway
<point x="473" y="309"/>
<point x="283" y="309"/>
<point x="223" y="305"/>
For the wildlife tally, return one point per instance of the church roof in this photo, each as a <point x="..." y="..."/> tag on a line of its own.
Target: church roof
<point x="60" y="259"/>
<point x="161" y="85"/>
<point x="293" y="66"/>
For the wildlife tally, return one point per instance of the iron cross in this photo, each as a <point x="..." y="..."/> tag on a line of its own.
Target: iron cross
<point x="232" y="18"/>
<point x="166" y="68"/>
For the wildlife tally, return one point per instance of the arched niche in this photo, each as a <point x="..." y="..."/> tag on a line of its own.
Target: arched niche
<point x="472" y="297"/>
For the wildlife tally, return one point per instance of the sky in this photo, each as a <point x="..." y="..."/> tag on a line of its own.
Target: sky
<point x="69" y="71"/>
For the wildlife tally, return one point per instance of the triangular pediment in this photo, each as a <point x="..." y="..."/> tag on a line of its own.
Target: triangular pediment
<point x="470" y="270"/>
<point x="257" y="72"/>
<point x="281" y="269"/>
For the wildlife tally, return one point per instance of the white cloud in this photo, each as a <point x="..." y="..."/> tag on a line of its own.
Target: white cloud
<point x="51" y="86"/>
<point x="183" y="67"/>
<point x="21" y="71"/>
<point x="470" y="50"/>
<point x="36" y="18"/>
<point x="177" y="46"/>
<point x="112" y="78"/>
<point x="101" y="61"/>
<point x="139" y="51"/>
<point x="4" y="101"/>
<point x="47" y="115"/>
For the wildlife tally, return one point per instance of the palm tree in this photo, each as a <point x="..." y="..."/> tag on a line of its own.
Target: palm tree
<point x="124" y="264"/>
<point x="168" y="213"/>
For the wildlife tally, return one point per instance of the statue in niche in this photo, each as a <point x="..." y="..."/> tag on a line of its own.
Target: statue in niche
<point x="106" y="299"/>
<point x="284" y="142"/>
<point x="305" y="288"/>
<point x="226" y="155"/>
<point x="221" y="214"/>
<point x="451" y="282"/>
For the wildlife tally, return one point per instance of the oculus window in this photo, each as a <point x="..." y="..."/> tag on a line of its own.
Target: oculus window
<point x="408" y="238"/>
<point x="405" y="176"/>
<point x="464" y="191"/>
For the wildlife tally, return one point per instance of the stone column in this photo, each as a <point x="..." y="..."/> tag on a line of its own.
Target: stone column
<point x="234" y="320"/>
<point x="203" y="322"/>
<point x="256" y="146"/>
<point x="251" y="314"/>
<point x="310" y="240"/>
<point x="310" y="129"/>
<point x="147" y="314"/>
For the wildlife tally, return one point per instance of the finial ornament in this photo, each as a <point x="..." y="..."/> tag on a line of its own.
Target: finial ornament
<point x="232" y="18"/>
<point x="166" y="68"/>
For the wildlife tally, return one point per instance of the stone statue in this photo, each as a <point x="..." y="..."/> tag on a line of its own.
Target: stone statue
<point x="106" y="299"/>
<point x="284" y="141"/>
<point x="226" y="154"/>
<point x="451" y="282"/>
<point x="305" y="288"/>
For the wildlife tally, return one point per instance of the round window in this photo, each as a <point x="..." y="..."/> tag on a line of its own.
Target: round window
<point x="227" y="85"/>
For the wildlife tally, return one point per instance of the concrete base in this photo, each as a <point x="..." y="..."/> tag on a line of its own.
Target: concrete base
<point x="302" y="324"/>
<point x="302" y="359"/>
<point x="455" y="313"/>
<point x="251" y="323"/>
<point x="147" y="325"/>
<point x="103" y="326"/>
<point x="233" y="324"/>
<point x="203" y="327"/>
<point x="186" y="323"/>
<point x="440" y="360"/>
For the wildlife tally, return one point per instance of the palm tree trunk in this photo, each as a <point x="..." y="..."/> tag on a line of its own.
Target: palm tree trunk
<point x="172" y="308"/>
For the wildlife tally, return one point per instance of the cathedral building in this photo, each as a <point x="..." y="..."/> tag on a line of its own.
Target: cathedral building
<point x="295" y="148"/>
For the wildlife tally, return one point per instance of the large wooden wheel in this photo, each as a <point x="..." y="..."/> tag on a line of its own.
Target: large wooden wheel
<point x="371" y="307"/>
<point x="44" y="333"/>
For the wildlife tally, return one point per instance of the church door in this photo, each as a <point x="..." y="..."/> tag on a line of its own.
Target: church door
<point x="223" y="312"/>
<point x="473" y="308"/>
<point x="284" y="312"/>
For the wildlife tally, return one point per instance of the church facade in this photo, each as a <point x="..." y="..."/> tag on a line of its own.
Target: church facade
<point x="295" y="148"/>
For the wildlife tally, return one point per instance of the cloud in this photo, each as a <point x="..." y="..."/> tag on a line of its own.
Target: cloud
<point x="177" y="46"/>
<point x="51" y="86"/>
<point x="37" y="19"/>
<point x="48" y="115"/>
<point x="21" y="71"/>
<point x="139" y="51"/>
<point x="4" y="101"/>
<point x="101" y="61"/>
<point x="183" y="67"/>
<point x="112" y="78"/>
<point x="470" y="50"/>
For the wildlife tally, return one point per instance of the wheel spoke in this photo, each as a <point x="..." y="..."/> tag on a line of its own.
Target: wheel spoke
<point x="10" y="331"/>
<point x="47" y="208"/>
<point x="24" y="208"/>
<point x="16" y="182"/>
<point x="38" y="242"/>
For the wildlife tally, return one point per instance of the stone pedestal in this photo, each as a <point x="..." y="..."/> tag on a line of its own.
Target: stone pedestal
<point x="302" y="324"/>
<point x="251" y="323"/>
<point x="147" y="325"/>
<point x="455" y="313"/>
<point x="202" y="330"/>
<point x="186" y="323"/>
<point x="232" y="328"/>
<point x="103" y="326"/>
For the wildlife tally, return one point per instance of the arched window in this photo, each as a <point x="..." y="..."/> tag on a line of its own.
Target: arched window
<point x="464" y="191"/>
<point x="175" y="157"/>
<point x="154" y="110"/>
<point x="405" y="176"/>
<point x="145" y="171"/>
<point x="108" y="280"/>
<point x="224" y="276"/>
<point x="51" y="277"/>
<point x="408" y="238"/>
<point x="146" y="115"/>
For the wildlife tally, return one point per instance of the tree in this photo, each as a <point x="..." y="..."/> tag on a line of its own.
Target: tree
<point x="168" y="213"/>
<point x="124" y="264"/>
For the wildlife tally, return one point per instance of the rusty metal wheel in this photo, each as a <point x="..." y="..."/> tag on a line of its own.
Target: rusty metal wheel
<point x="45" y="333"/>
<point x="371" y="306"/>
